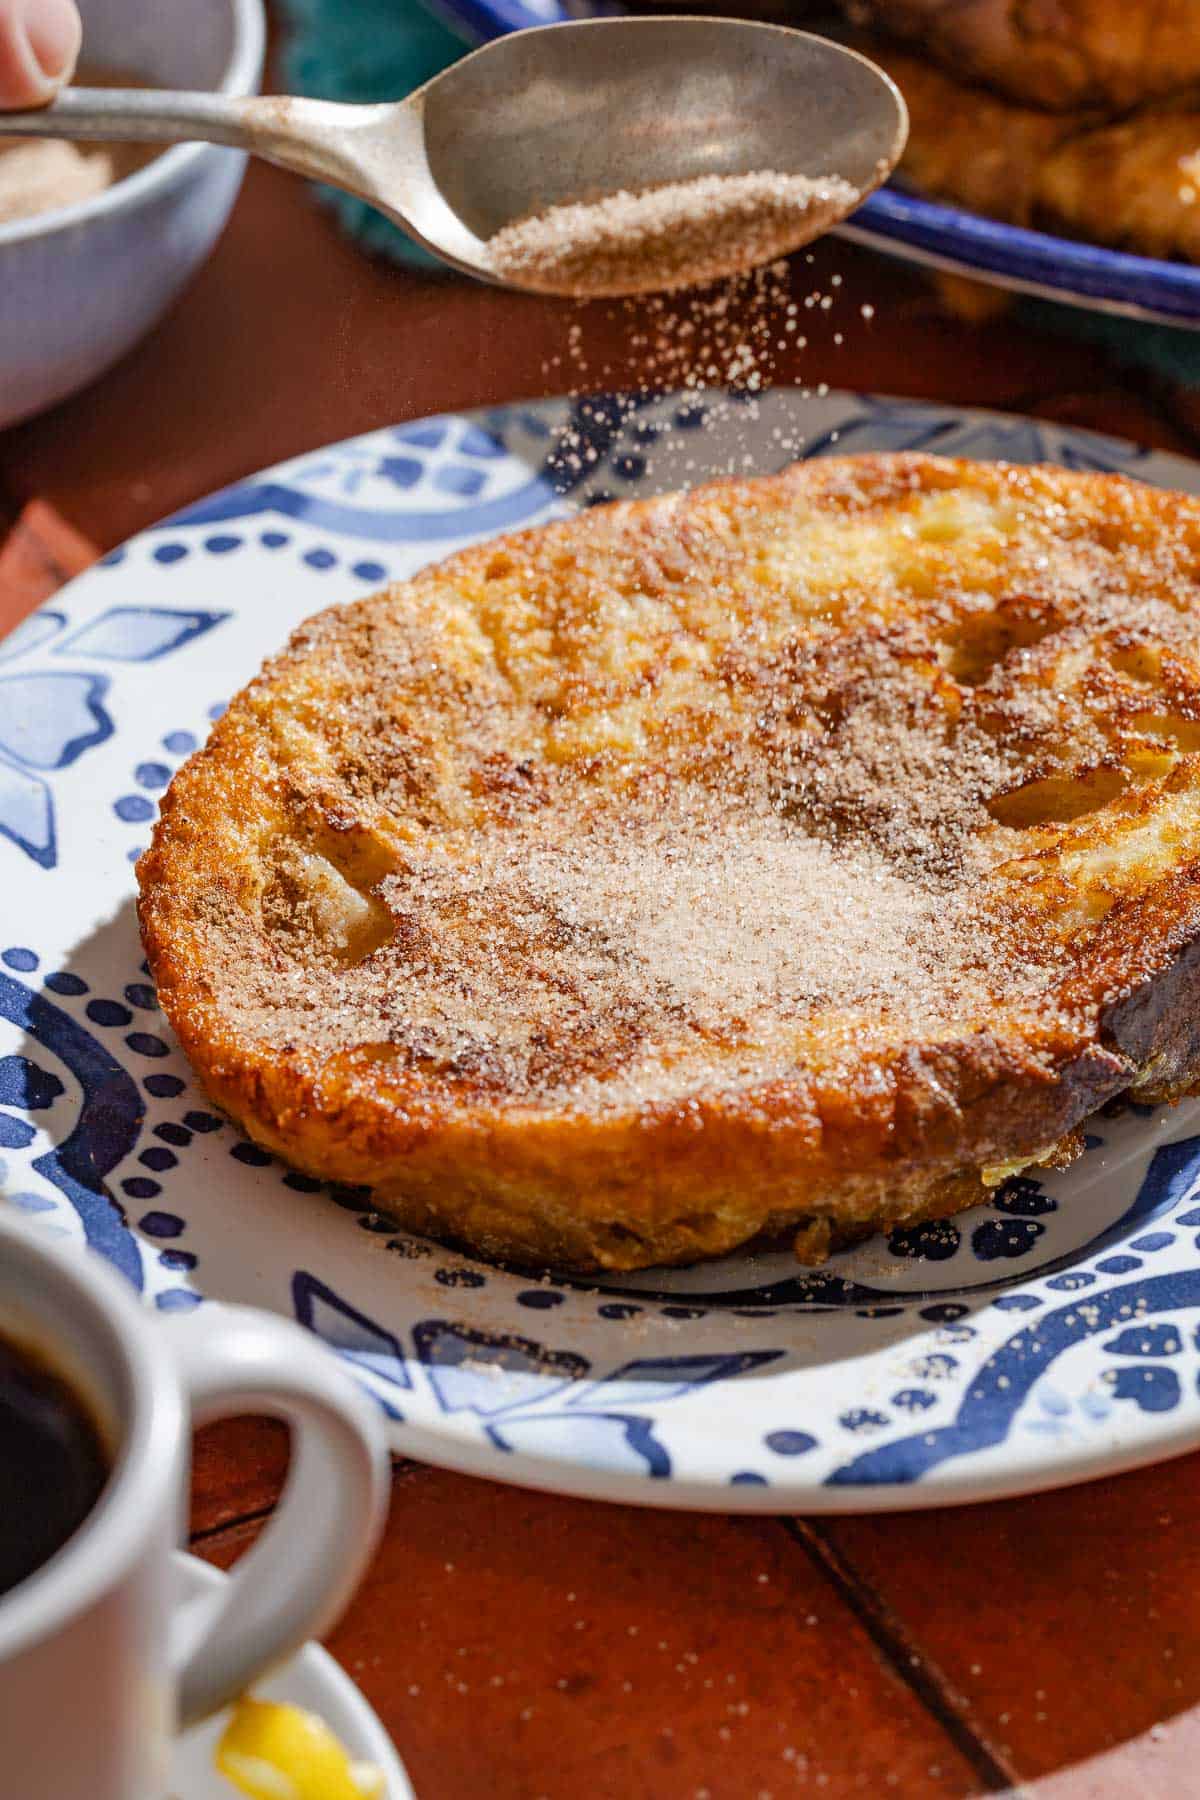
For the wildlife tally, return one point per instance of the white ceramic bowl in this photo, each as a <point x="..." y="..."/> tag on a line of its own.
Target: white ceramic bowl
<point x="80" y="286"/>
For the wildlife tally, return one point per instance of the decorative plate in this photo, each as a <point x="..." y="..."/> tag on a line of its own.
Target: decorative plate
<point x="1048" y="1336"/>
<point x="925" y="231"/>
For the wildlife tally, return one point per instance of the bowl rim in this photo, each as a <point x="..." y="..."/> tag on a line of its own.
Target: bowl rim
<point x="241" y="76"/>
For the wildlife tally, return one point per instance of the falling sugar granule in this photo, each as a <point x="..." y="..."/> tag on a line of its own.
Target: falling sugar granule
<point x="720" y="345"/>
<point x="675" y="236"/>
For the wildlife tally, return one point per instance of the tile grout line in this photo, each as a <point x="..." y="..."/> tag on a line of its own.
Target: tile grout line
<point x="401" y="1465"/>
<point x="208" y="1532"/>
<point x="899" y="1649"/>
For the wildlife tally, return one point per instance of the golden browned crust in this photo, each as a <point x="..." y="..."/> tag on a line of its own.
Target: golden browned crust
<point x="1133" y="183"/>
<point x="800" y="848"/>
<point x="1063" y="54"/>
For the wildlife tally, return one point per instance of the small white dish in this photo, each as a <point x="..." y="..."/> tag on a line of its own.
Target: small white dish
<point x="312" y="1680"/>
<point x="80" y="285"/>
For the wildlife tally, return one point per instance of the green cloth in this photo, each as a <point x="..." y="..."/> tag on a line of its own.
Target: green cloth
<point x="366" y="50"/>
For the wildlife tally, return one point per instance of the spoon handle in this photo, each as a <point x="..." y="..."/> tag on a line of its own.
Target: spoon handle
<point x="313" y="137"/>
<point x="131" y="115"/>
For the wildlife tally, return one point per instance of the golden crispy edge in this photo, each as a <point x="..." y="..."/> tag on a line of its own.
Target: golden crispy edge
<point x="670" y="1182"/>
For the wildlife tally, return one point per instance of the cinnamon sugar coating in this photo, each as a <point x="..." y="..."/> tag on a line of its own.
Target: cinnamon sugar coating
<point x="801" y="848"/>
<point x="676" y="235"/>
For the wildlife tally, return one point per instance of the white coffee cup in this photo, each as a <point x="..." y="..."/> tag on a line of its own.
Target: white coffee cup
<point x="98" y="1666"/>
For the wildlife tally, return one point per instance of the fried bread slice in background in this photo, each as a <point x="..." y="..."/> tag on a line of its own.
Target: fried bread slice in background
<point x="819" y="848"/>
<point x="1063" y="54"/>
<point x="1133" y="184"/>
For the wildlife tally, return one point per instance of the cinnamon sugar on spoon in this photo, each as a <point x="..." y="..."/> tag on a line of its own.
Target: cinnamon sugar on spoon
<point x="676" y="235"/>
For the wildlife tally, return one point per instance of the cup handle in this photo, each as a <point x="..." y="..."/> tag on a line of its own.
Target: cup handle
<point x="305" y="1566"/>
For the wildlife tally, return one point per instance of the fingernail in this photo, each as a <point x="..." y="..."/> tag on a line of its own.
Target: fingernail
<point x="53" y="31"/>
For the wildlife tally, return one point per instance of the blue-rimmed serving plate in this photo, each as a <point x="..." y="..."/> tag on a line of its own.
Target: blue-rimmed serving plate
<point x="941" y="237"/>
<point x="1047" y="1337"/>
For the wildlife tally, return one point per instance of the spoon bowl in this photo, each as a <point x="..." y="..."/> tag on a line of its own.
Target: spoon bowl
<point x="563" y="113"/>
<point x="550" y="116"/>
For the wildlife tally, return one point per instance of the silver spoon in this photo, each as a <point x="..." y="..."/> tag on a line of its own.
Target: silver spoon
<point x="543" y="117"/>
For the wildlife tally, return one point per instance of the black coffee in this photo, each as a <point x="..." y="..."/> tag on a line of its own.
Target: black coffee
<point x="52" y="1464"/>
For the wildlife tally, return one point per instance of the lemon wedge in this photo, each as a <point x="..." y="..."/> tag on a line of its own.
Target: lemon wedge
<point x="273" y="1752"/>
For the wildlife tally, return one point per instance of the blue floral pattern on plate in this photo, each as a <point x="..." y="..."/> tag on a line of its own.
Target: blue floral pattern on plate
<point x="1049" y="1335"/>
